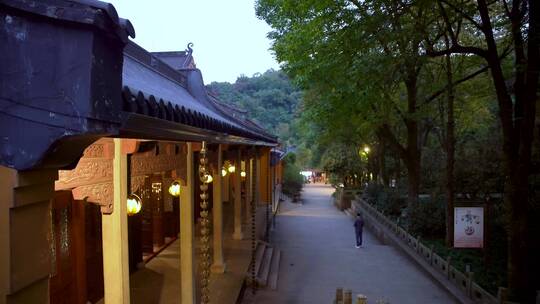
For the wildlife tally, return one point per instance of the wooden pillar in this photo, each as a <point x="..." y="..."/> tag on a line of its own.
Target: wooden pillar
<point x="257" y="179"/>
<point x="115" y="234"/>
<point x="249" y="188"/>
<point x="238" y="234"/>
<point x="225" y="184"/>
<point x="218" y="266"/>
<point x="25" y="223"/>
<point x="187" y="249"/>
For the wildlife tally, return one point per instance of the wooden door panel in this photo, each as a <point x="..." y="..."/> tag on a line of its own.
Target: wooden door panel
<point x="62" y="284"/>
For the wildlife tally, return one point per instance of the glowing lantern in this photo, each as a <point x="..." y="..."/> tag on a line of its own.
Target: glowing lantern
<point x="231" y="168"/>
<point x="223" y="172"/>
<point x="243" y="173"/>
<point x="134" y="204"/>
<point x="174" y="189"/>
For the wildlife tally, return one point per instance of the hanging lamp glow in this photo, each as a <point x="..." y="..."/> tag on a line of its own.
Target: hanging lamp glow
<point x="134" y="204"/>
<point x="223" y="172"/>
<point x="243" y="173"/>
<point x="174" y="189"/>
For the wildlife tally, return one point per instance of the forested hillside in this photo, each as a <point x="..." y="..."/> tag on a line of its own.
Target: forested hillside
<point x="270" y="99"/>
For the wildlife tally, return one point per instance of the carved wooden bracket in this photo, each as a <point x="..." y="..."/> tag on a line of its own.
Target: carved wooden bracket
<point x="100" y="194"/>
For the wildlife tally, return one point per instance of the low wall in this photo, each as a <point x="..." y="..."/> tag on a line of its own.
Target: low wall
<point x="460" y="285"/>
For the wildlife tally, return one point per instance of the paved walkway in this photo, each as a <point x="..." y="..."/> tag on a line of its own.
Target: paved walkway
<point x="318" y="255"/>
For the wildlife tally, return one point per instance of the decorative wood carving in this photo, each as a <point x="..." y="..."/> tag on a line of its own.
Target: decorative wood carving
<point x="101" y="194"/>
<point x="92" y="178"/>
<point x="167" y="198"/>
<point x="88" y="171"/>
<point x="137" y="183"/>
<point x="159" y="163"/>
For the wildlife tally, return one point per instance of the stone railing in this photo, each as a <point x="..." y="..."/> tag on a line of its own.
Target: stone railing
<point x="382" y="225"/>
<point x="344" y="196"/>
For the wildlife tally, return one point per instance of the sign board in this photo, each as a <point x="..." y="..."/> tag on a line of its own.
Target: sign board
<point x="468" y="227"/>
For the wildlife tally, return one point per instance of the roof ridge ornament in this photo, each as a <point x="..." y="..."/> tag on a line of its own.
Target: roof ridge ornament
<point x="189" y="49"/>
<point x="188" y="62"/>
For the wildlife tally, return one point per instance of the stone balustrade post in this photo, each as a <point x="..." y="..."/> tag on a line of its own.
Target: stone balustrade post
<point x="448" y="260"/>
<point x="470" y="278"/>
<point x="431" y="255"/>
<point x="502" y="295"/>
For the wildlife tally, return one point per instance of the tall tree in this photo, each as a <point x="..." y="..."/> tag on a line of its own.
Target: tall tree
<point x="332" y="46"/>
<point x="496" y="27"/>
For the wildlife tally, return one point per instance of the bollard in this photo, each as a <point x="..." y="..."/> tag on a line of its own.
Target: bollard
<point x="431" y="254"/>
<point x="339" y="295"/>
<point x="347" y="297"/>
<point x="361" y="299"/>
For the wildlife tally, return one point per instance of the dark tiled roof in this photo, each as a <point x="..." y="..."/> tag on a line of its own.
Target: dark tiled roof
<point x="177" y="60"/>
<point x="95" y="13"/>
<point x="153" y="88"/>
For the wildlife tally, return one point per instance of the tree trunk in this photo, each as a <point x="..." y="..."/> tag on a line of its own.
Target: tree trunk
<point x="413" y="150"/>
<point x="520" y="276"/>
<point x="517" y="120"/>
<point x="383" y="174"/>
<point x="413" y="178"/>
<point x="450" y="154"/>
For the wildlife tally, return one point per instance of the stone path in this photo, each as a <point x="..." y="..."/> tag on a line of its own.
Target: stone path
<point x="318" y="255"/>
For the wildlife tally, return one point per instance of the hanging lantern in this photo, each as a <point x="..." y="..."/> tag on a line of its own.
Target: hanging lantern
<point x="243" y="173"/>
<point x="134" y="204"/>
<point x="231" y="168"/>
<point x="223" y="172"/>
<point x="174" y="189"/>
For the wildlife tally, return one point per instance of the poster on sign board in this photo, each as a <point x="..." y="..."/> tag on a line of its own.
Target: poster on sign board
<point x="468" y="227"/>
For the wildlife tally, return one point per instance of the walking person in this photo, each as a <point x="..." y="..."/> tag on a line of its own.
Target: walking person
<point x="358" y="229"/>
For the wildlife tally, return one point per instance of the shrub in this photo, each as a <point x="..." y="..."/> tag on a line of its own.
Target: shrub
<point x="292" y="179"/>
<point x="427" y="218"/>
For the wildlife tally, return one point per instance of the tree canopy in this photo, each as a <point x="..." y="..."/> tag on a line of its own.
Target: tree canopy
<point x="436" y="86"/>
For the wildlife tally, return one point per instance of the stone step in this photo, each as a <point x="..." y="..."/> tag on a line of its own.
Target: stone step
<point x="262" y="277"/>
<point x="274" y="269"/>
<point x="259" y="255"/>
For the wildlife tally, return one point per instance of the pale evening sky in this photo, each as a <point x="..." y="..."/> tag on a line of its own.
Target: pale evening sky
<point x="228" y="38"/>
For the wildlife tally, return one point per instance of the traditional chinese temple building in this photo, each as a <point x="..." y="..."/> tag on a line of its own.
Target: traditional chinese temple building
<point x="89" y="121"/>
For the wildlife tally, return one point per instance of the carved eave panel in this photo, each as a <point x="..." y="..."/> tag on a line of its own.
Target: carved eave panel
<point x="100" y="194"/>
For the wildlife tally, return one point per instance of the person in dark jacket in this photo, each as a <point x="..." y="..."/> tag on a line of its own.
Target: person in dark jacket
<point x="358" y="229"/>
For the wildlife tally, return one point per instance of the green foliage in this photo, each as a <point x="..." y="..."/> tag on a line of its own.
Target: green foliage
<point x="292" y="179"/>
<point x="343" y="162"/>
<point x="270" y="99"/>
<point x="427" y="218"/>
